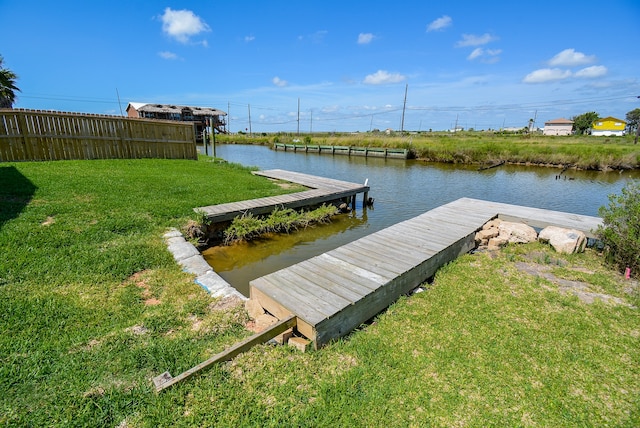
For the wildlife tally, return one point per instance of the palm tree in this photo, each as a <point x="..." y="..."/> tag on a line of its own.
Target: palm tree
<point x="8" y="86"/>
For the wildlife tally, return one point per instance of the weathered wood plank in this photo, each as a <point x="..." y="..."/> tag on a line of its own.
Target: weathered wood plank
<point x="321" y="280"/>
<point x="318" y="296"/>
<point x="165" y="380"/>
<point x="285" y="299"/>
<point x="339" y="262"/>
<point x="398" y="254"/>
<point x="535" y="217"/>
<point x="380" y="267"/>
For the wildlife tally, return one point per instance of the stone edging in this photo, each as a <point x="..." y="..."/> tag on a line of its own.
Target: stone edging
<point x="192" y="262"/>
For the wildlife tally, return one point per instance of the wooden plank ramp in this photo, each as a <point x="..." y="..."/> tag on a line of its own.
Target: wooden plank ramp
<point x="165" y="380"/>
<point x="321" y="190"/>
<point x="335" y="292"/>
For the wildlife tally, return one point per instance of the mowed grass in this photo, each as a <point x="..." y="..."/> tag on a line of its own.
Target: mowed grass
<point x="92" y="307"/>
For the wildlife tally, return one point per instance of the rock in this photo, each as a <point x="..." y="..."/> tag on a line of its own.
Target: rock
<point x="518" y="233"/>
<point x="563" y="240"/>
<point x="497" y="242"/>
<point x="484" y="235"/>
<point x="344" y="208"/>
<point x="492" y="224"/>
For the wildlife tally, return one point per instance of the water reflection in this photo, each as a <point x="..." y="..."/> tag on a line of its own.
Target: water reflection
<point x="240" y="263"/>
<point x="402" y="189"/>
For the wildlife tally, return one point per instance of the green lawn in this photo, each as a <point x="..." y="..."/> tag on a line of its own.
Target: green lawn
<point x="92" y="307"/>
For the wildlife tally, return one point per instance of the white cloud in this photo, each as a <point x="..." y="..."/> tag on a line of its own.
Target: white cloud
<point x="592" y="72"/>
<point x="279" y="82"/>
<point x="571" y="58"/>
<point x="365" y="38"/>
<point x="167" y="55"/>
<point x="182" y="24"/>
<point x="440" y="23"/>
<point x="477" y="52"/>
<point x="381" y="77"/>
<point x="544" y="75"/>
<point x="489" y="56"/>
<point x="473" y="40"/>
<point x="249" y="38"/>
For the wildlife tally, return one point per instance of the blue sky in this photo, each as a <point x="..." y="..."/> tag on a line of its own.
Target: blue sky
<point x="480" y="64"/>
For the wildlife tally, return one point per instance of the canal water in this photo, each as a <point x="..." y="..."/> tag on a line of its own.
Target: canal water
<point x="402" y="189"/>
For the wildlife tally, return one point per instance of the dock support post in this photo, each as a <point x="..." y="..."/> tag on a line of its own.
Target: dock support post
<point x="366" y="194"/>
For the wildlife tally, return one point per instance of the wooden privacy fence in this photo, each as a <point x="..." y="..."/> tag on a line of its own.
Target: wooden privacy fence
<point x="29" y="135"/>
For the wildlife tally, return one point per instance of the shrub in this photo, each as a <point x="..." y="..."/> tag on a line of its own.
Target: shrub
<point x="620" y="232"/>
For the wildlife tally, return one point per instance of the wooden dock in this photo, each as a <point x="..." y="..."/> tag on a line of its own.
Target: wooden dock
<point x="379" y="152"/>
<point x="321" y="190"/>
<point x="335" y="292"/>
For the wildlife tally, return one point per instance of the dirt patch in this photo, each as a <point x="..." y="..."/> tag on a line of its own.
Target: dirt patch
<point x="226" y="303"/>
<point x="138" y="330"/>
<point x="49" y="221"/>
<point x="139" y="279"/>
<point x="581" y="290"/>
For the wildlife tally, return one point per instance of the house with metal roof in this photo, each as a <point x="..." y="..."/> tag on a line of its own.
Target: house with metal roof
<point x="200" y="116"/>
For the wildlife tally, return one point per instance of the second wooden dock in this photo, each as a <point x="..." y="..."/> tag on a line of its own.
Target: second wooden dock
<point x="321" y="190"/>
<point x="377" y="152"/>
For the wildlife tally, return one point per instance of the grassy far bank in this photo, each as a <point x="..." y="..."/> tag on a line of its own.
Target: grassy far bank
<point x="92" y="306"/>
<point x="580" y="151"/>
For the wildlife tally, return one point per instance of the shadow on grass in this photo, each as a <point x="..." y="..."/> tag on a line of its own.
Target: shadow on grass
<point x="16" y="192"/>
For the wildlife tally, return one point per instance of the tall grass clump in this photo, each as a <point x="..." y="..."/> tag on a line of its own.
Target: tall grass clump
<point x="620" y="232"/>
<point x="281" y="220"/>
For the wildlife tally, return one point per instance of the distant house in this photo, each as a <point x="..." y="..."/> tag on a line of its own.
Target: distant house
<point x="200" y="116"/>
<point x="559" y="126"/>
<point x="608" y="126"/>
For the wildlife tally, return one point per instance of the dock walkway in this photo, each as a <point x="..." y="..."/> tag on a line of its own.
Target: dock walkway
<point x="379" y="152"/>
<point x="335" y="292"/>
<point x="321" y="190"/>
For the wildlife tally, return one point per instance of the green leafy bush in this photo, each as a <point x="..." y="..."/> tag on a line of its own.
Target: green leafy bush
<point x="620" y="232"/>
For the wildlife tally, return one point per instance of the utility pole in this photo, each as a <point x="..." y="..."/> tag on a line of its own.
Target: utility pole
<point x="228" y="117"/>
<point x="311" y="123"/>
<point x="635" y="140"/>
<point x="120" y="104"/>
<point x="404" y="106"/>
<point x="250" y="133"/>
<point x="298" y="117"/>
